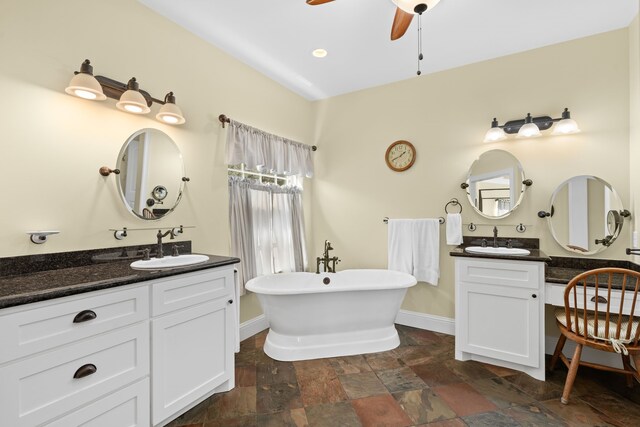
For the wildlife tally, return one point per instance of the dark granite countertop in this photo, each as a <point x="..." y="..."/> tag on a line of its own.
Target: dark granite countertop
<point x="54" y="276"/>
<point x="532" y="245"/>
<point x="563" y="269"/>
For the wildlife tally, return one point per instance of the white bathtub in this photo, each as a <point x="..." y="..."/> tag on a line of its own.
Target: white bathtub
<point x="353" y="314"/>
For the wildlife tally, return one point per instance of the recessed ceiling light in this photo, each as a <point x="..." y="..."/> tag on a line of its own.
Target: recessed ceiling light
<point x="319" y="53"/>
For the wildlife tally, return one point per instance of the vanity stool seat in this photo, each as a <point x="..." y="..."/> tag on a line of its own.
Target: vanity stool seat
<point x="590" y="318"/>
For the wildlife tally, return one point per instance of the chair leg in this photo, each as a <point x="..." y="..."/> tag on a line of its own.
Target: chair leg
<point x="636" y="361"/>
<point x="626" y="364"/>
<point x="571" y="376"/>
<point x="556" y="353"/>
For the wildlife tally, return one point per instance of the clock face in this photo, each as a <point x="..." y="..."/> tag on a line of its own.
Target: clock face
<point x="400" y="156"/>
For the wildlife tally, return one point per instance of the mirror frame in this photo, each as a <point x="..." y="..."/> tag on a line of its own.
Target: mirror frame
<point x="121" y="191"/>
<point x="607" y="240"/>
<point x="524" y="182"/>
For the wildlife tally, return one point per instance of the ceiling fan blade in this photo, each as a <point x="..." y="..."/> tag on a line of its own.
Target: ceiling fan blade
<point x="317" y="2"/>
<point x="401" y="22"/>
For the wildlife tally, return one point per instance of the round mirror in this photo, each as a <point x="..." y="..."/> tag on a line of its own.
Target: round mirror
<point x="586" y="215"/>
<point x="495" y="184"/>
<point x="151" y="172"/>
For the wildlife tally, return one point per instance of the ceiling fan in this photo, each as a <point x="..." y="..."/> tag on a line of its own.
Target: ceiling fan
<point x="405" y="11"/>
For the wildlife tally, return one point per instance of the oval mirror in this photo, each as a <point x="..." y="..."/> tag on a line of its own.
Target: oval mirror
<point x="586" y="215"/>
<point x="495" y="184"/>
<point x="151" y="172"/>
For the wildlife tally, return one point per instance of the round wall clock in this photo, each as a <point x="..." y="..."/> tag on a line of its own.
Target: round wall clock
<point x="400" y="156"/>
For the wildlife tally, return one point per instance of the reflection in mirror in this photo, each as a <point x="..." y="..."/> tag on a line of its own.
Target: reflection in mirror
<point x="151" y="171"/>
<point x="495" y="184"/>
<point x="587" y="215"/>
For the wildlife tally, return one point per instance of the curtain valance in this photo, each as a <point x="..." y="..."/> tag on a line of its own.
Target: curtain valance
<point x="262" y="151"/>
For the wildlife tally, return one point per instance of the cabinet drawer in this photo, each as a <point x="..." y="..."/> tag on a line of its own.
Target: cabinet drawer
<point x="43" y="387"/>
<point x="128" y="407"/>
<point x="555" y="296"/>
<point x="40" y="327"/>
<point x="190" y="289"/>
<point x="522" y="274"/>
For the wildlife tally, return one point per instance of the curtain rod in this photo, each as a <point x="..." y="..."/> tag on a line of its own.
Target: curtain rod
<point x="224" y="119"/>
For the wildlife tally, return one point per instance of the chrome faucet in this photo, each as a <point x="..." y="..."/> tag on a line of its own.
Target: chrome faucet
<point x="160" y="235"/>
<point x="329" y="263"/>
<point x="495" y="236"/>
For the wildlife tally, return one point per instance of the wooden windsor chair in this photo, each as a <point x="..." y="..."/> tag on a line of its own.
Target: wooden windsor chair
<point x="600" y="311"/>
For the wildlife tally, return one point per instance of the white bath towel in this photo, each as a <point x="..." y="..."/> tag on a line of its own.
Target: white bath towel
<point x="454" y="229"/>
<point x="400" y="249"/>
<point x="426" y="250"/>
<point x="414" y="248"/>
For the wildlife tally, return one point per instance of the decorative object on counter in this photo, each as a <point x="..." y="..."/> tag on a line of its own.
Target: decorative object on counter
<point x="599" y="324"/>
<point x="131" y="98"/>
<point x="106" y="171"/>
<point x="400" y="156"/>
<point x="495" y="184"/>
<point x="148" y="156"/>
<point x="39" y="237"/>
<point x="530" y="127"/>
<point x="578" y="208"/>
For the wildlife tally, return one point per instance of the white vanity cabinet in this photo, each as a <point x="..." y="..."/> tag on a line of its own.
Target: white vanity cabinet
<point x="138" y="355"/>
<point x="500" y="313"/>
<point x="192" y="340"/>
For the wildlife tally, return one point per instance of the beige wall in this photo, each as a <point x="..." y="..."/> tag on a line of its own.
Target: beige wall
<point x="53" y="144"/>
<point x="445" y="116"/>
<point x="634" y="123"/>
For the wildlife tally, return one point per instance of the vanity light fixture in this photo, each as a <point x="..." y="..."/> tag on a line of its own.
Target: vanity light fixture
<point x="132" y="100"/>
<point x="130" y="97"/>
<point x="170" y="113"/>
<point x="84" y="85"/>
<point x="530" y="127"/>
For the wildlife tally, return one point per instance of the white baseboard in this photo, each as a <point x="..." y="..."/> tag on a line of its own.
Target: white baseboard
<point x="253" y="326"/>
<point x="430" y="322"/>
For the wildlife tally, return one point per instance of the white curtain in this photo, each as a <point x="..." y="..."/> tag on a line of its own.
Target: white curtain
<point x="262" y="151"/>
<point x="267" y="228"/>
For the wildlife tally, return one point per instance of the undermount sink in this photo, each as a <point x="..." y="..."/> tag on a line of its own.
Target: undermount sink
<point x="169" y="262"/>
<point x="490" y="250"/>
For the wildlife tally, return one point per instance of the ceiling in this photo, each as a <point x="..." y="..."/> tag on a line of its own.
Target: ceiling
<point x="276" y="37"/>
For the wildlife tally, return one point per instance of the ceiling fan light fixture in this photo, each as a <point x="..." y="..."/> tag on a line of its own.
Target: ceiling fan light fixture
<point x="415" y="6"/>
<point x="319" y="53"/>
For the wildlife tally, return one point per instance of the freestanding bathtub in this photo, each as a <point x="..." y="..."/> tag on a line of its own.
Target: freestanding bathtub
<point x="330" y="314"/>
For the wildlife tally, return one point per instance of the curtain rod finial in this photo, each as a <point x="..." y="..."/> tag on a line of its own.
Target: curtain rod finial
<point x="223" y="119"/>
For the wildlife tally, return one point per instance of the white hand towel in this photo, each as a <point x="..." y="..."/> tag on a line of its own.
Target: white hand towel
<point x="426" y="250"/>
<point x="399" y="245"/>
<point x="454" y="229"/>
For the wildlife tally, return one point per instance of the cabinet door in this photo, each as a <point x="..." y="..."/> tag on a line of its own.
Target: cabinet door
<point x="500" y="322"/>
<point x="192" y="354"/>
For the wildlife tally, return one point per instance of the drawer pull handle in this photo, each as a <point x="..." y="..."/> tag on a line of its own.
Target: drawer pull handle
<point x="85" y="370"/>
<point x="85" y="316"/>
<point x="599" y="299"/>
<point x="534" y="296"/>
<point x="230" y="301"/>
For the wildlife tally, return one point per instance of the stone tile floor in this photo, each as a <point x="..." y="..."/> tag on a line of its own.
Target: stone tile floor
<point x="419" y="383"/>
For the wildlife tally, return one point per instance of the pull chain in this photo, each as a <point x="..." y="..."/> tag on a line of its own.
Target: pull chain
<point x="419" y="42"/>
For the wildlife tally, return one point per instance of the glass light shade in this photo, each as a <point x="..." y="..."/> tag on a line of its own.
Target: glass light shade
<point x="171" y="114"/>
<point x="529" y="130"/>
<point x="409" y="5"/>
<point x="132" y="101"/>
<point x="565" y="126"/>
<point x="495" y="134"/>
<point x="85" y="86"/>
